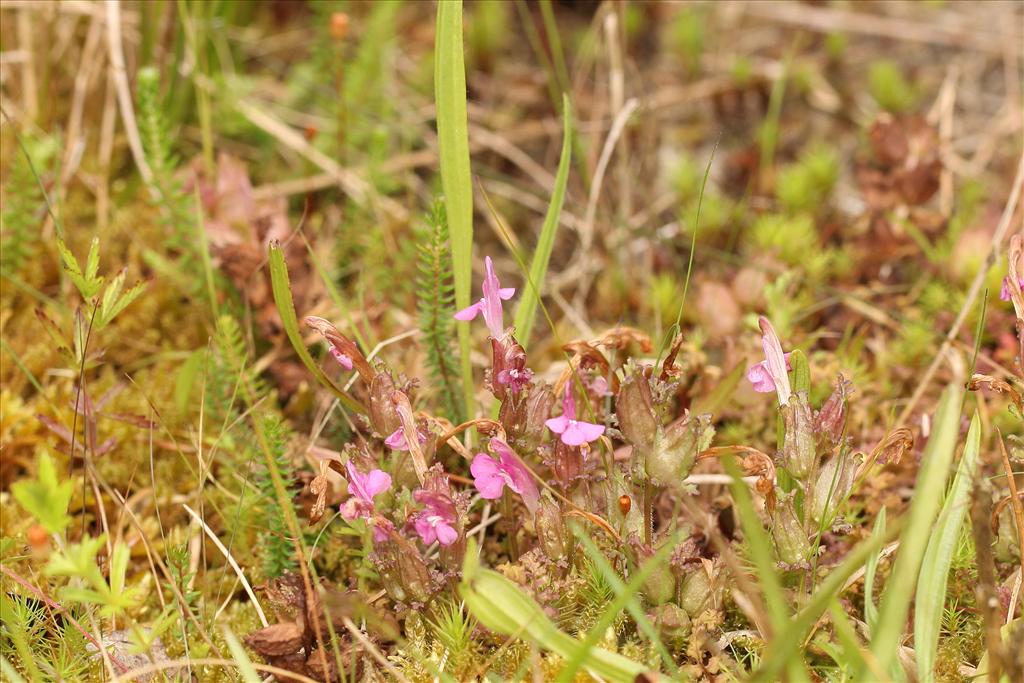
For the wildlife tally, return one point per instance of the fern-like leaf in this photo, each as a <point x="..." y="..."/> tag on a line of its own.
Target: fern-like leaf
<point x="274" y="542"/>
<point x="176" y="207"/>
<point x="22" y="209"/>
<point x="435" y="297"/>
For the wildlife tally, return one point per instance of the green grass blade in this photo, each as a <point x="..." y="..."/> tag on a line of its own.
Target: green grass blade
<point x="931" y="481"/>
<point x="625" y="599"/>
<point x="527" y="310"/>
<point x="846" y="635"/>
<point x="501" y="606"/>
<point x="238" y="653"/>
<point x="286" y="308"/>
<point x="759" y="546"/>
<point x="870" y="608"/>
<point x="938" y="557"/>
<point x="788" y="641"/>
<point x="453" y="143"/>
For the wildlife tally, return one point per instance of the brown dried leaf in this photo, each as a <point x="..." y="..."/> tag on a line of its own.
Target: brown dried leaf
<point x="997" y="385"/>
<point x="277" y="639"/>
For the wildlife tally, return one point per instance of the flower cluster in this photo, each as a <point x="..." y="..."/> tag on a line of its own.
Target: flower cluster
<point x="538" y="457"/>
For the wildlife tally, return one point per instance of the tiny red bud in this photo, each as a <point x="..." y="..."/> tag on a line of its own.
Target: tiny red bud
<point x="339" y="25"/>
<point x="625" y="503"/>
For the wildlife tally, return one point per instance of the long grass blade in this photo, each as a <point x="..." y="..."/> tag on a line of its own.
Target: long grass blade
<point x="527" y="310"/>
<point x="788" y="641"/>
<point x="286" y="308"/>
<point x="453" y="143"/>
<point x="238" y="653"/>
<point x="938" y="557"/>
<point x="625" y="599"/>
<point x="931" y="481"/>
<point x="870" y="570"/>
<point x="501" y="606"/>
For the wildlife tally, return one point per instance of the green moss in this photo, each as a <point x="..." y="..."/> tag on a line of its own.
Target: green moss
<point x="807" y="184"/>
<point x="889" y="87"/>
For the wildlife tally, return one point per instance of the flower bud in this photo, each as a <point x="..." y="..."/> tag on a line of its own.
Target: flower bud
<point x="402" y="571"/>
<point x="660" y="586"/>
<point x="798" y="449"/>
<point x="831" y="419"/>
<point x="634" y="407"/>
<point x="676" y="447"/>
<point x="551" y="532"/>
<point x="791" y="544"/>
<point x="835" y="479"/>
<point x="523" y="418"/>
<point x="673" y="624"/>
<point x="383" y="415"/>
<point x="509" y="373"/>
<point x="698" y="587"/>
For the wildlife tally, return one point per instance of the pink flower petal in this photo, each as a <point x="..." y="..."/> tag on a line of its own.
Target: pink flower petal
<point x="343" y="360"/>
<point x="469" y="312"/>
<point x="492" y="301"/>
<point x="487" y="477"/>
<point x="590" y="431"/>
<point x="446" y="535"/>
<point x="760" y="378"/>
<point x="1004" y="288"/>
<point x="558" y="424"/>
<point x="516" y="474"/>
<point x="424" y="529"/>
<point x="381" y="529"/>
<point x="506" y="293"/>
<point x="396" y="441"/>
<point x="569" y="403"/>
<point x="350" y="510"/>
<point x="776" y="360"/>
<point x="377" y="482"/>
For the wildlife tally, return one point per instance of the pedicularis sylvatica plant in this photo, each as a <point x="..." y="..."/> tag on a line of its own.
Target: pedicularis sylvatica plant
<point x="604" y="444"/>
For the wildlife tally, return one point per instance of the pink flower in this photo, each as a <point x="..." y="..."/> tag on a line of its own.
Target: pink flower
<point x="363" y="488"/>
<point x="436" y="522"/>
<point x="342" y="359"/>
<point x="1004" y="289"/>
<point x="509" y="365"/>
<point x="396" y="441"/>
<point x="599" y="385"/>
<point x="771" y="373"/>
<point x="761" y="378"/>
<point x="492" y="476"/>
<point x="573" y="432"/>
<point x="490" y="304"/>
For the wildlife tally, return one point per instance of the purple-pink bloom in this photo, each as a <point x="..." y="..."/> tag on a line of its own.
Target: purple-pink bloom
<point x="599" y="385"/>
<point x="491" y="476"/>
<point x="772" y="373"/>
<point x="342" y="359"/>
<point x="573" y="432"/>
<point x="759" y="376"/>
<point x="396" y="440"/>
<point x="1004" y="289"/>
<point x="490" y="304"/>
<point x="363" y="488"/>
<point x="437" y="520"/>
